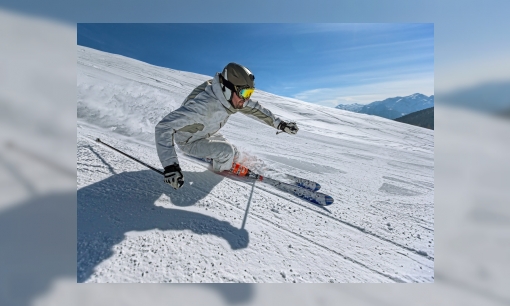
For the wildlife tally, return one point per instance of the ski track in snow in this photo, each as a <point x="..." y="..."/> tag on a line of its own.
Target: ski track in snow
<point x="134" y="228"/>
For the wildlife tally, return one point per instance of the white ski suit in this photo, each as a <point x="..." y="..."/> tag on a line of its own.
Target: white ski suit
<point x="194" y="126"/>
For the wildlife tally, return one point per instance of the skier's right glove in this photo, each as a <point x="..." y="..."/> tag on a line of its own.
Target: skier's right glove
<point x="173" y="176"/>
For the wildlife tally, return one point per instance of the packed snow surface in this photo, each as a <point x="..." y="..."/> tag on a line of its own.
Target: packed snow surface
<point x="134" y="228"/>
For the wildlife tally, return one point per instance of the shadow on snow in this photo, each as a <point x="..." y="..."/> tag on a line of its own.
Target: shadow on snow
<point x="124" y="202"/>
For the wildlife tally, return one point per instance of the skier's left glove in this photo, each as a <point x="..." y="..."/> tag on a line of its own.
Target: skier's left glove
<point x="173" y="176"/>
<point x="288" y="127"/>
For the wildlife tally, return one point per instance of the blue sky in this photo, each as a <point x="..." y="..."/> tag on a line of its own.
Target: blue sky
<point x="326" y="64"/>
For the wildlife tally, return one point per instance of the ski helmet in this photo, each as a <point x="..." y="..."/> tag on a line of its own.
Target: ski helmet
<point x="235" y="78"/>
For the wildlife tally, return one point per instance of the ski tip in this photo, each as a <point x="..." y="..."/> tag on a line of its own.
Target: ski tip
<point x="329" y="200"/>
<point x="317" y="186"/>
<point x="98" y="140"/>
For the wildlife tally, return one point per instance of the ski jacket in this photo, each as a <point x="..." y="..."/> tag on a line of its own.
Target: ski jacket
<point x="204" y="112"/>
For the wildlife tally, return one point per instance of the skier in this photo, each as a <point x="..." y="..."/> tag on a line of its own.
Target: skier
<point x="194" y="126"/>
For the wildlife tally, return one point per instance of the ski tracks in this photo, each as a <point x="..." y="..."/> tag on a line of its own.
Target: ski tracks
<point x="337" y="237"/>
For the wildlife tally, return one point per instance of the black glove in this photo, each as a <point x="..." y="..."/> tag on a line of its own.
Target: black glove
<point x="173" y="176"/>
<point x="288" y="127"/>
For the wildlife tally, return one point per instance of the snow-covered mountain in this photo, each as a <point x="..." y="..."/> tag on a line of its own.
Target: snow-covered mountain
<point x="134" y="228"/>
<point x="356" y="107"/>
<point x="392" y="108"/>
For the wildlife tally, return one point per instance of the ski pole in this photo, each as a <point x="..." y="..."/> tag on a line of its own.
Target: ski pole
<point x="248" y="206"/>
<point x="129" y="156"/>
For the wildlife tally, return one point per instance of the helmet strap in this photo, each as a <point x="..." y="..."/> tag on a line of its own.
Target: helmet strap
<point x="226" y="83"/>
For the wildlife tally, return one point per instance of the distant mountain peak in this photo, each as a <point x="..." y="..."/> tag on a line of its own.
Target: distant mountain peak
<point x="355" y="107"/>
<point x="392" y="108"/>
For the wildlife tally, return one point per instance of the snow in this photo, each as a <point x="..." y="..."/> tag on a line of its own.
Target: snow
<point x="134" y="228"/>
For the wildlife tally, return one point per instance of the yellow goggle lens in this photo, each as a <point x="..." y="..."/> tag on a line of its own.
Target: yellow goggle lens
<point x="246" y="93"/>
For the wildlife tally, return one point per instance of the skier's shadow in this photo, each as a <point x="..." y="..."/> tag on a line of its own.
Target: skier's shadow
<point x="124" y="202"/>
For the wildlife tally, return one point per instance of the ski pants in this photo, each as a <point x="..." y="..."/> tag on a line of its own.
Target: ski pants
<point x="216" y="147"/>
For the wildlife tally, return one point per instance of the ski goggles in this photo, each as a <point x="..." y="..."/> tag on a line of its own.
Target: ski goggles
<point x="245" y="93"/>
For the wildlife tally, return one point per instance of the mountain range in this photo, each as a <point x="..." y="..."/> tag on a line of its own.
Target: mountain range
<point x="392" y="108"/>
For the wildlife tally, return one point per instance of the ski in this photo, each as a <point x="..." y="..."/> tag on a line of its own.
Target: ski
<point x="298" y="181"/>
<point x="285" y="178"/>
<point x="304" y="193"/>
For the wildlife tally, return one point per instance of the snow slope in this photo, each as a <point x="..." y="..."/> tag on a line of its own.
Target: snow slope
<point x="134" y="228"/>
